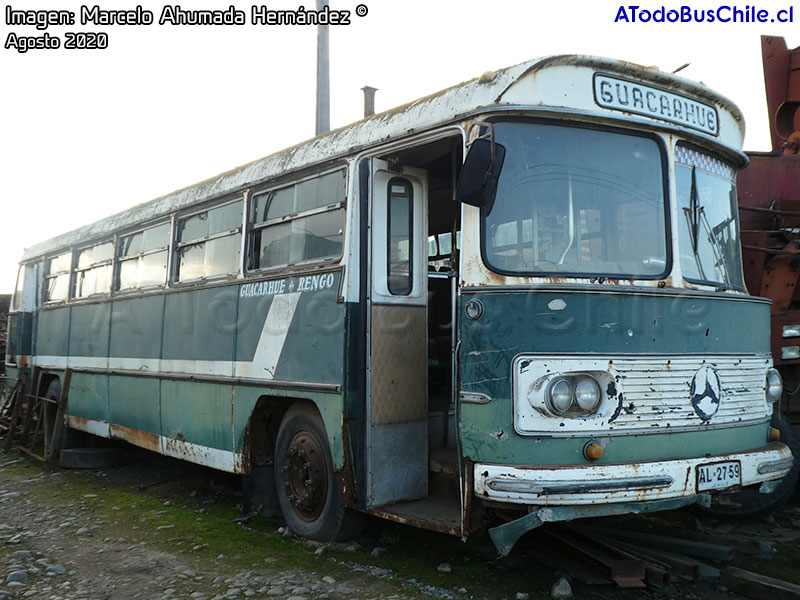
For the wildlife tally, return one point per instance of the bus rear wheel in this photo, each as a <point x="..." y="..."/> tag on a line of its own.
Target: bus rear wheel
<point x="305" y="480"/>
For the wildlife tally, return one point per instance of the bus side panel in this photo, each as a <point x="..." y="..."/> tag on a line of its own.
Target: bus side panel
<point x="89" y="332"/>
<point x="88" y="396"/>
<point x="134" y="411"/>
<point x="196" y="422"/>
<point x="134" y="402"/>
<point x="313" y="347"/>
<point x="52" y="339"/>
<point x="136" y="333"/>
<point x="199" y="325"/>
<point x="19" y="333"/>
<point x="294" y="334"/>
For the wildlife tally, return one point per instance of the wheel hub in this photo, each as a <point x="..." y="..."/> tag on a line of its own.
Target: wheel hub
<point x="306" y="476"/>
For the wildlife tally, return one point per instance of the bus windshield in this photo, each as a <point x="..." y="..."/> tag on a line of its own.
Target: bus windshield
<point x="707" y="224"/>
<point x="577" y="201"/>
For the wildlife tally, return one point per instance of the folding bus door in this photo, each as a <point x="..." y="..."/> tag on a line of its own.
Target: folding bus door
<point x="397" y="404"/>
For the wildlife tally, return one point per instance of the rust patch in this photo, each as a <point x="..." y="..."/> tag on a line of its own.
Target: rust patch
<point x="175" y="446"/>
<point x="422" y="523"/>
<point x="77" y="422"/>
<point x="148" y="441"/>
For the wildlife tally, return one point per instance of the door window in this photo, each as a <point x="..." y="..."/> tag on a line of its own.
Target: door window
<point x="400" y="251"/>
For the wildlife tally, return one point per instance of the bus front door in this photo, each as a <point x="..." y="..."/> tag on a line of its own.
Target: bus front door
<point x="397" y="403"/>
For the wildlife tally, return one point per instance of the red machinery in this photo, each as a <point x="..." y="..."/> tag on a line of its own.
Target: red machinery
<point x="769" y="206"/>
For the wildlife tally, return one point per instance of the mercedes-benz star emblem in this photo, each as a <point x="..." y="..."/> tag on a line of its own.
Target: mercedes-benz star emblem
<point x="706" y="391"/>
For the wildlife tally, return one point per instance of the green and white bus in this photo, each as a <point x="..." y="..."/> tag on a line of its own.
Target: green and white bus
<point x="514" y="301"/>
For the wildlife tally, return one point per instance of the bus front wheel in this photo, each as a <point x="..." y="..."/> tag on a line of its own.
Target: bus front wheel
<point x="305" y="480"/>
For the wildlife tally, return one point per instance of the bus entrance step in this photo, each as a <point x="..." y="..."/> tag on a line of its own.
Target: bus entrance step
<point x="437" y="512"/>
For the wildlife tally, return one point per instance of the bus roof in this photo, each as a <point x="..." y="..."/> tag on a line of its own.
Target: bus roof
<point x="446" y="106"/>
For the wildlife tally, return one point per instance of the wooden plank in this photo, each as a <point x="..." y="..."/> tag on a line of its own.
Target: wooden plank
<point x="53" y="445"/>
<point x="30" y="453"/>
<point x="758" y="586"/>
<point x="16" y="410"/>
<point x="30" y="410"/>
<point x="41" y="398"/>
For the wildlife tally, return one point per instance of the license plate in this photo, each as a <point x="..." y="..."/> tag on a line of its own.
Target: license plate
<point x="718" y="476"/>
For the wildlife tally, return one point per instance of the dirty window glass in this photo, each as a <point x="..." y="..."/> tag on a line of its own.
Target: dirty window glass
<point x="219" y="256"/>
<point x="400" y="252"/>
<point x="93" y="281"/>
<point x="210" y="243"/>
<point x="143" y="258"/>
<point x="94" y="255"/>
<point x="142" y="241"/>
<point x="16" y="301"/>
<point x="144" y="271"/>
<point x="577" y="201"/>
<point x="299" y="237"/>
<point x="57" y="277"/>
<point x="708" y="228"/>
<point x="311" y="194"/>
<point x="318" y="237"/>
<point x="58" y="264"/>
<point x="213" y="221"/>
<point x="93" y="270"/>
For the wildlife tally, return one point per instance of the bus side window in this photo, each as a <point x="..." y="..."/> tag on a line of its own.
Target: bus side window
<point x="399" y="255"/>
<point x="300" y="223"/>
<point x="93" y="270"/>
<point x="208" y="244"/>
<point x="19" y="290"/>
<point x="142" y="258"/>
<point x="56" y="277"/>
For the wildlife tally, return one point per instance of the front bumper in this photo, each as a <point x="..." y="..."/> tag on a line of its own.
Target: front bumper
<point x="613" y="483"/>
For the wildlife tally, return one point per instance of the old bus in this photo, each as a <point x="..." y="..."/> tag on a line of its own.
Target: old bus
<point x="514" y="301"/>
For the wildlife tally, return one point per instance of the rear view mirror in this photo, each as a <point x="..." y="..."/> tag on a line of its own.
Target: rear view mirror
<point x="477" y="183"/>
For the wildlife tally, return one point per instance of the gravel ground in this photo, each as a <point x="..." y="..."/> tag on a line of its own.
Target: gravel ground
<point x="157" y="528"/>
<point x="62" y="547"/>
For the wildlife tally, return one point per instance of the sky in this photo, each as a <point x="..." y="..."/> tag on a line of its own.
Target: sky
<point x="87" y="133"/>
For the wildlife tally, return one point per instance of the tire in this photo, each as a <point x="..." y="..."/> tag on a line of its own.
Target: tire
<point x="305" y="481"/>
<point x="90" y="458"/>
<point x="750" y="503"/>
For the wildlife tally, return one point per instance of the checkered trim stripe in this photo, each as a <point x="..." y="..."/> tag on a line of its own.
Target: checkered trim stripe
<point x="693" y="158"/>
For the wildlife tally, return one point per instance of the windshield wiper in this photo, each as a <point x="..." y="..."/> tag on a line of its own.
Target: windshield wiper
<point x="716" y="247"/>
<point x="692" y="217"/>
<point x="694" y="209"/>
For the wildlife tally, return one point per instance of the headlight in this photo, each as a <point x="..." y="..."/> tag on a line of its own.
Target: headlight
<point x="774" y="385"/>
<point x="559" y="396"/>
<point x="587" y="394"/>
<point x="572" y="395"/>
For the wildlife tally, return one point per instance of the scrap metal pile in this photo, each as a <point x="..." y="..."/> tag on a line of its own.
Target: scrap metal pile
<point x="632" y="558"/>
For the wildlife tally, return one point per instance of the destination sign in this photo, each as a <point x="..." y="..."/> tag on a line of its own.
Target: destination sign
<point x="638" y="98"/>
<point x="274" y="287"/>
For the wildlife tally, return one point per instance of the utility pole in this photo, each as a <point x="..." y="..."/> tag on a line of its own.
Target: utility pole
<point x="323" y="76"/>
